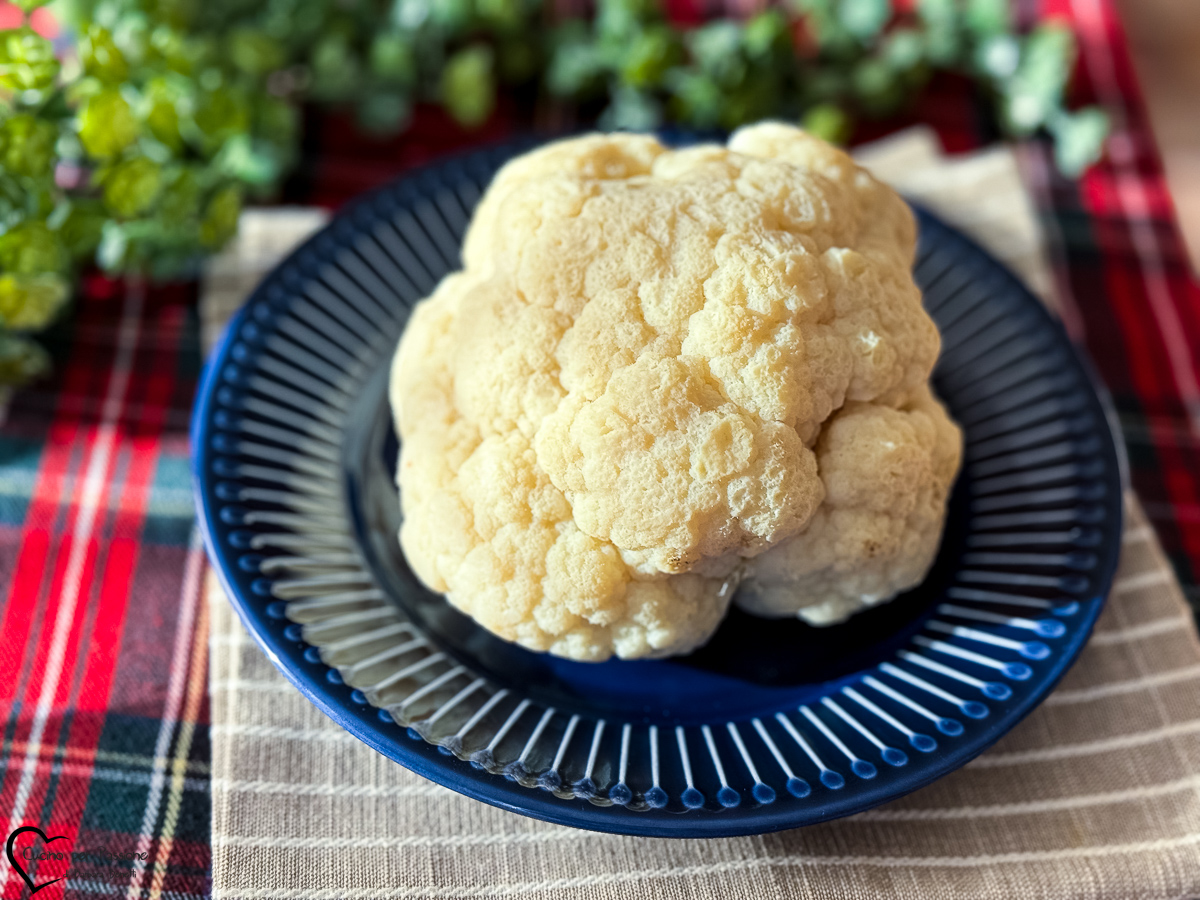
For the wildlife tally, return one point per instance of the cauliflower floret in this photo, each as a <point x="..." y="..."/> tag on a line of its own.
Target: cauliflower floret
<point x="887" y="473"/>
<point x="612" y="410"/>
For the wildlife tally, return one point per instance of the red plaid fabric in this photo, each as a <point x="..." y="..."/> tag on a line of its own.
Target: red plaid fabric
<point x="102" y="638"/>
<point x="1129" y="294"/>
<point x="102" y="635"/>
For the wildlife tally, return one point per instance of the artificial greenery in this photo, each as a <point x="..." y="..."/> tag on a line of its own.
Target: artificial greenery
<point x="136" y="150"/>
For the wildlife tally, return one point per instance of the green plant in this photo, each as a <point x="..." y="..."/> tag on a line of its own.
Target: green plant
<point x="825" y="63"/>
<point x="135" y="151"/>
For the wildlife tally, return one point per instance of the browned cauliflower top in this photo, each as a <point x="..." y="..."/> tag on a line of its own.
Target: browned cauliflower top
<point x="610" y="414"/>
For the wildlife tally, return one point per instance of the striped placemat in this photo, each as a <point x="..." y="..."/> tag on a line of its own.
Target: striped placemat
<point x="1096" y="794"/>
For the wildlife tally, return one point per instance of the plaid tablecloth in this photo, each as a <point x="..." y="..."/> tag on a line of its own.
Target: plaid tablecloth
<point x="102" y="635"/>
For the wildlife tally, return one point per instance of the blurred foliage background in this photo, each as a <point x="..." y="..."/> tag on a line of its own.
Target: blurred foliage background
<point x="131" y="143"/>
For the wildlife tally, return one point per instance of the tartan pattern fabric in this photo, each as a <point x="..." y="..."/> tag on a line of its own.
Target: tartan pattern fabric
<point x="103" y="649"/>
<point x="102" y="634"/>
<point x="1134" y="303"/>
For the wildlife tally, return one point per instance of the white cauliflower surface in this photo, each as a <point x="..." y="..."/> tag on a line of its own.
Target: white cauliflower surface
<point x="662" y="372"/>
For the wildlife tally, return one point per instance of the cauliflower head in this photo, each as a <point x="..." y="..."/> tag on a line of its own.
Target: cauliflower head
<point x="659" y="371"/>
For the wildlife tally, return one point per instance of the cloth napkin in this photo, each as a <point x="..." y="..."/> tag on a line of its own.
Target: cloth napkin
<point x="1095" y="795"/>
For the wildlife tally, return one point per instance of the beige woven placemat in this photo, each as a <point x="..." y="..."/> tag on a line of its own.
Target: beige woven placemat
<point x="1096" y="794"/>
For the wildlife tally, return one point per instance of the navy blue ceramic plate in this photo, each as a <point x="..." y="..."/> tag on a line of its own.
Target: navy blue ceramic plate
<point x="772" y="724"/>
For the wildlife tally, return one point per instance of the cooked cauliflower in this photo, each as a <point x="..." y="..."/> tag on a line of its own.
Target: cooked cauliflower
<point x="887" y="472"/>
<point x="660" y="372"/>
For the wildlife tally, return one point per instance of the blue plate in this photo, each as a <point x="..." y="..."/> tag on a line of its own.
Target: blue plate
<point x="773" y="724"/>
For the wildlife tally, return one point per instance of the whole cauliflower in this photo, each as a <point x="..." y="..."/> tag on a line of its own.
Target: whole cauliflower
<point x="662" y="372"/>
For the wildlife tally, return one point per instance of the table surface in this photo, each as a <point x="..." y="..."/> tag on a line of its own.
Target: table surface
<point x="103" y="664"/>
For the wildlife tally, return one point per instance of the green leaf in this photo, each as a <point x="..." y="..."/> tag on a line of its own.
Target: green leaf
<point x="180" y="202"/>
<point x="30" y="302"/>
<point x="107" y="124"/>
<point x="864" y="18"/>
<point x="101" y="57"/>
<point x="19" y="200"/>
<point x="220" y="220"/>
<point x="829" y="122"/>
<point x="82" y="228"/>
<point x="875" y="87"/>
<point x="651" y="54"/>
<point x="519" y="58"/>
<point x="31" y="248"/>
<point x="21" y="359"/>
<point x="276" y="121"/>
<point x="384" y="114"/>
<point x="576" y="65"/>
<point x="251" y="162"/>
<point x="697" y="98"/>
<point x="451" y="16"/>
<point x="1036" y="89"/>
<point x="766" y="35"/>
<point x="823" y="21"/>
<point x="169" y="49"/>
<point x="162" y="98"/>
<point x="938" y="12"/>
<point x="1047" y="57"/>
<point x="986" y="18"/>
<point x="1079" y="139"/>
<point x="631" y="110"/>
<point x="716" y="50"/>
<point x="131" y="187"/>
<point x="826" y="84"/>
<point x="335" y="69"/>
<point x="114" y="247"/>
<point x="943" y="39"/>
<point x="392" y="59"/>
<point x="468" y="86"/>
<point x="904" y="49"/>
<point x="998" y="56"/>
<point x="410" y="14"/>
<point x="131" y="34"/>
<point x="27" y="145"/>
<point x="749" y="102"/>
<point x="178" y="14"/>
<point x="255" y="52"/>
<point x="619" y="20"/>
<point x="27" y="60"/>
<point x="221" y="113"/>
<point x="503" y="14"/>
